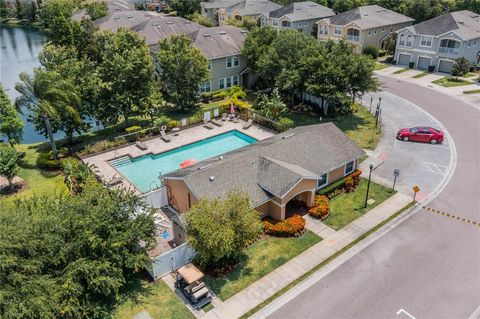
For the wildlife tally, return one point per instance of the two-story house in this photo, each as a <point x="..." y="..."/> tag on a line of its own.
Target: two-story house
<point x="219" y="11"/>
<point x="362" y="26"/>
<point x="440" y="41"/>
<point x="222" y="46"/>
<point x="300" y="16"/>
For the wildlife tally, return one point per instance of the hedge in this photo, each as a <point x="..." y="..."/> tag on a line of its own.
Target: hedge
<point x="292" y="226"/>
<point x="321" y="209"/>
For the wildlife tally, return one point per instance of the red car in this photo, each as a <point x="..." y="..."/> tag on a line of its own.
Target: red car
<point x="420" y="134"/>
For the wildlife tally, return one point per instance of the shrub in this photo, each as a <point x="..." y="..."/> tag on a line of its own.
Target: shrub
<point x="101" y="146"/>
<point x="460" y="67"/>
<point x="133" y="129"/>
<point x="411" y="65"/>
<point x="322" y="207"/>
<point x="349" y="186"/>
<point x="172" y="124"/>
<point x="394" y="61"/>
<point x="162" y="120"/>
<point x="389" y="60"/>
<point x="382" y="53"/>
<point x="283" y="124"/>
<point x="292" y="226"/>
<point x="46" y="161"/>
<point x="431" y="68"/>
<point x="371" y="51"/>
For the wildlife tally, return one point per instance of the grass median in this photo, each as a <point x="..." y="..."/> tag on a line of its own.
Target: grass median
<point x="451" y="82"/>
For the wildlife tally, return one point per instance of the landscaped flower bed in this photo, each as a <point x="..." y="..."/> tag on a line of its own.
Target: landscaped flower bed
<point x="292" y="226"/>
<point x="321" y="210"/>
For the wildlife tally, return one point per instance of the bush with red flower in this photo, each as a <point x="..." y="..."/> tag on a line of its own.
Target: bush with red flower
<point x="321" y="209"/>
<point x="292" y="226"/>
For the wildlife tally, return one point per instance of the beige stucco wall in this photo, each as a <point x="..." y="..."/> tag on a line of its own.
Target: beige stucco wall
<point x="263" y="209"/>
<point x="336" y="174"/>
<point x="304" y="185"/>
<point x="179" y="191"/>
<point x="276" y="212"/>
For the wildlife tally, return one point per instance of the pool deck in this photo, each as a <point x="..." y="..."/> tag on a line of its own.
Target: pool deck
<point x="156" y="145"/>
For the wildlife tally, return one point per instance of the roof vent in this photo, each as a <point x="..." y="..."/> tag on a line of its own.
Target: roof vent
<point x="287" y="136"/>
<point x="222" y="32"/>
<point x="220" y="158"/>
<point x="155" y="24"/>
<point x="211" y="178"/>
<point x="365" y="14"/>
<point x="130" y="17"/>
<point x="461" y="22"/>
<point x="170" y="22"/>
<point x="116" y="18"/>
<point x="207" y="35"/>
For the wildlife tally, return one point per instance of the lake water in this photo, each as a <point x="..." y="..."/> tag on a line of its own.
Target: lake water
<point x="20" y="47"/>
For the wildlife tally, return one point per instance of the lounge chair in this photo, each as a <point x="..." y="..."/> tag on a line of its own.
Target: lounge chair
<point x="142" y="146"/>
<point x="248" y="124"/>
<point x="164" y="136"/>
<point x="114" y="181"/>
<point x="207" y="124"/>
<point x="235" y="119"/>
<point x="217" y="123"/>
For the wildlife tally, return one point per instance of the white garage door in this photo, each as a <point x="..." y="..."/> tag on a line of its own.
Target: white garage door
<point x="423" y="63"/>
<point x="445" y="66"/>
<point x="403" y="59"/>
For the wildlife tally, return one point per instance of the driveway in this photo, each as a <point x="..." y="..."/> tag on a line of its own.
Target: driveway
<point x="420" y="164"/>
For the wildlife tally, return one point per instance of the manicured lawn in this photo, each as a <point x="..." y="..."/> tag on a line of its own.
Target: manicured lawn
<point x="347" y="207"/>
<point x="38" y="182"/>
<point x="381" y="66"/>
<point x="401" y="71"/>
<point x="158" y="300"/>
<point x="421" y="75"/>
<point x="261" y="258"/>
<point x="471" y="75"/>
<point x="472" y="91"/>
<point x="450" y="82"/>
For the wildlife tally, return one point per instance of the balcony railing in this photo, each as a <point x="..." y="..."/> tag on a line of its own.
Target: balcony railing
<point x="353" y="37"/>
<point x="448" y="50"/>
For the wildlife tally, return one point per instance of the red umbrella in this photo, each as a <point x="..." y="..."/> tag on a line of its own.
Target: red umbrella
<point x="187" y="163"/>
<point x="232" y="108"/>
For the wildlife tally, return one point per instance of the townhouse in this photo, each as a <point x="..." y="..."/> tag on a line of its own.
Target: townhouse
<point x="301" y="16"/>
<point x="438" y="42"/>
<point x="219" y="11"/>
<point x="362" y="26"/>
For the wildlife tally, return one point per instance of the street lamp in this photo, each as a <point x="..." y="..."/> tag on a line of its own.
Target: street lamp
<point x="368" y="185"/>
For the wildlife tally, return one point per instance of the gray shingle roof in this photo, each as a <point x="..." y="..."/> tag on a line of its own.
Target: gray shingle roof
<point x="162" y="27"/>
<point x="122" y="19"/>
<point x="306" y="10"/>
<point x="217" y="4"/>
<point x="218" y="42"/>
<point x="270" y="167"/>
<point x="465" y="24"/>
<point x="368" y="17"/>
<point x="253" y="7"/>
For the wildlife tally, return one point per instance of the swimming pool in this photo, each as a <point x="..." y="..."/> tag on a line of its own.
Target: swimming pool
<point x="143" y="171"/>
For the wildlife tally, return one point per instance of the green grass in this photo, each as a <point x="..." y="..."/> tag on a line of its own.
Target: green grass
<point x="261" y="258"/>
<point x="158" y="300"/>
<point x="381" y="66"/>
<point x="421" y="75"/>
<point x="322" y="264"/>
<point x="401" y="71"/>
<point x="451" y="82"/>
<point x="37" y="181"/>
<point x="347" y="207"/>
<point x="472" y="91"/>
<point x="470" y="75"/>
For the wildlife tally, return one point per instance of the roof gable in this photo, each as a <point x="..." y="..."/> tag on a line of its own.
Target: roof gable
<point x="367" y="17"/>
<point x="218" y="42"/>
<point x="306" y="10"/>
<point x="465" y="24"/>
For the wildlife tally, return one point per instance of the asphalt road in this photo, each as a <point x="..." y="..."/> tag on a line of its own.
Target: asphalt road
<point x="429" y="265"/>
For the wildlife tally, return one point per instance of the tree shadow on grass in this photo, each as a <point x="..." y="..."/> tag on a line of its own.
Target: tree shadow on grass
<point x="136" y="287"/>
<point x="350" y="122"/>
<point x="216" y="283"/>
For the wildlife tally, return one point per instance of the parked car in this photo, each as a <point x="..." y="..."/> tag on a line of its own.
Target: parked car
<point x="420" y="134"/>
<point x="189" y="281"/>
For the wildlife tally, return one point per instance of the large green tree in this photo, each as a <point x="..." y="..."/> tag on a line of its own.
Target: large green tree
<point x="185" y="8"/>
<point x="182" y="69"/>
<point x="56" y="16"/>
<point x="48" y="97"/>
<point x="72" y="256"/>
<point x="8" y="163"/>
<point x="11" y="124"/>
<point x="219" y="230"/>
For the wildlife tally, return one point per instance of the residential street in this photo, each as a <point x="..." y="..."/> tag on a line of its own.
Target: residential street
<point x="426" y="267"/>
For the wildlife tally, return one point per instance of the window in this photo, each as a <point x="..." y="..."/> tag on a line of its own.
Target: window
<point x="469" y="43"/>
<point x="235" y="80"/>
<point x="275" y="22"/>
<point x="205" y="87"/>
<point x="409" y="41"/>
<point x="349" y="167"/>
<point x="322" y="181"/>
<point x="232" y="61"/>
<point x="209" y="65"/>
<point x="375" y="31"/>
<point x="426" y="41"/>
<point x="475" y="42"/>
<point x="323" y="30"/>
<point x="221" y="83"/>
<point x="369" y="32"/>
<point x="338" y="30"/>
<point x="286" y="24"/>
<point x="383" y="29"/>
<point x="227" y="82"/>
<point x="305" y="23"/>
<point x="402" y="40"/>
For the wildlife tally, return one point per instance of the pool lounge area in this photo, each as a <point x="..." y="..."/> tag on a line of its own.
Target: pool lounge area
<point x="139" y="169"/>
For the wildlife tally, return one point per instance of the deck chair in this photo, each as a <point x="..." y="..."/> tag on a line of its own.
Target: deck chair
<point x="207" y="124"/>
<point x="224" y="117"/>
<point x="235" y="119"/>
<point x="164" y="136"/>
<point x="216" y="113"/>
<point x="248" y="124"/>
<point x="142" y="146"/>
<point x="183" y="122"/>
<point x="216" y="122"/>
<point x="115" y="180"/>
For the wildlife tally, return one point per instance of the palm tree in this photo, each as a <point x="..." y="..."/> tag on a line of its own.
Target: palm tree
<point x="48" y="96"/>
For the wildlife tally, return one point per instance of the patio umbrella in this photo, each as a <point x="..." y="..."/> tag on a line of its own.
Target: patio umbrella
<point x="187" y="163"/>
<point x="232" y="108"/>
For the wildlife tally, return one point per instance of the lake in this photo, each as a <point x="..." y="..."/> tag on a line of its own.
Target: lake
<point x="20" y="47"/>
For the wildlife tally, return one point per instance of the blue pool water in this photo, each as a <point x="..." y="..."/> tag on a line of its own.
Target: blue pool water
<point x="143" y="171"/>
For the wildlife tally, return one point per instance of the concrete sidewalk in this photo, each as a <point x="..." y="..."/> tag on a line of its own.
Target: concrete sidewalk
<point x="267" y="286"/>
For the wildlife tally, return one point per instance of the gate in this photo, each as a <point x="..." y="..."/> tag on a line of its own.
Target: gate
<point x="171" y="260"/>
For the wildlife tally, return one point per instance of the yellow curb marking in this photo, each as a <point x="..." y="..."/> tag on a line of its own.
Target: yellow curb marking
<point x="452" y="216"/>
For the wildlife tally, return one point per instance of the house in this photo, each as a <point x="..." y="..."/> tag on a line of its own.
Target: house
<point x="300" y="16"/>
<point x="440" y="41"/>
<point x="122" y="19"/>
<point x="362" y="26"/>
<point x="276" y="173"/>
<point x="222" y="46"/>
<point x="221" y="10"/>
